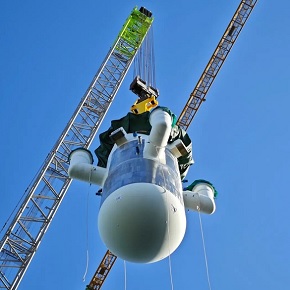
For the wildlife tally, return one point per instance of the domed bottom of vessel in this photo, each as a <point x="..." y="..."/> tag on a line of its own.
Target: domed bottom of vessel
<point x="142" y="222"/>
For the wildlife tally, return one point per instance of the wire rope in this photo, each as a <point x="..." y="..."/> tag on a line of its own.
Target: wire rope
<point x="157" y="148"/>
<point x="87" y="228"/>
<point x="153" y="81"/>
<point x="24" y="193"/>
<point x="144" y="62"/>
<point x="203" y="244"/>
<point x="125" y="275"/>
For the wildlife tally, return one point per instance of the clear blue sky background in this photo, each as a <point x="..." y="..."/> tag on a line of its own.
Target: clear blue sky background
<point x="49" y="52"/>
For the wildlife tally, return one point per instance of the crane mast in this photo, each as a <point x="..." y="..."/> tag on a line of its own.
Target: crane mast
<point x="196" y="98"/>
<point x="215" y="63"/>
<point x="44" y="196"/>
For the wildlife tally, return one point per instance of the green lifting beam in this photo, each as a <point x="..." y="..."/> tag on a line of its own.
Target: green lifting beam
<point x="133" y="31"/>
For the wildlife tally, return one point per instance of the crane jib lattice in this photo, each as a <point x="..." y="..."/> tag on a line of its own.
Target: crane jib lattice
<point x="215" y="63"/>
<point x="48" y="189"/>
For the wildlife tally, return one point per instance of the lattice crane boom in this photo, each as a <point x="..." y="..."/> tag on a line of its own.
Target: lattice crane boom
<point x="48" y="189"/>
<point x="215" y="63"/>
<point x="102" y="271"/>
<point x="198" y="94"/>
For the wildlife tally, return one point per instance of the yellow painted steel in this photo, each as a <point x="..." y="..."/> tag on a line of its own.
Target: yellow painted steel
<point x="146" y="105"/>
<point x="197" y="97"/>
<point x="102" y="271"/>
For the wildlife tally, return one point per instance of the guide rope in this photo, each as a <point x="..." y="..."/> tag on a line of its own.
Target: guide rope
<point x="87" y="227"/>
<point x="168" y="220"/>
<point x="125" y="275"/>
<point x="24" y="194"/>
<point x="203" y="244"/>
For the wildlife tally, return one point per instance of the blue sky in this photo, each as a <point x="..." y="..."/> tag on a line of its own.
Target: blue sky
<point x="49" y="52"/>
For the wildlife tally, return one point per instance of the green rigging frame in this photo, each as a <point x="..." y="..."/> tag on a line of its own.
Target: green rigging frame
<point x="23" y="236"/>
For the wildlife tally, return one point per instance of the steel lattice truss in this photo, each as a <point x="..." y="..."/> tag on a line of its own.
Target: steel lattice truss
<point x="102" y="271"/>
<point x="215" y="63"/>
<point x="44" y="196"/>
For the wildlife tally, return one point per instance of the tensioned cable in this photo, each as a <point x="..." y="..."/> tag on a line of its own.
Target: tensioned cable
<point x="169" y="256"/>
<point x="125" y="275"/>
<point x="144" y="62"/>
<point x="87" y="228"/>
<point x="87" y="239"/>
<point x="168" y="220"/>
<point x="203" y="243"/>
<point x="24" y="193"/>
<point x="153" y="60"/>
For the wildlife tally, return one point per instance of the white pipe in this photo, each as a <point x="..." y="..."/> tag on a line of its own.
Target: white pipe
<point x="161" y="127"/>
<point x="201" y="198"/>
<point x="81" y="168"/>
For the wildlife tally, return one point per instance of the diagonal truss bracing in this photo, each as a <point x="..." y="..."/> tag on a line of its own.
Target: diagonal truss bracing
<point x="48" y="189"/>
<point x="215" y="63"/>
<point x="102" y="271"/>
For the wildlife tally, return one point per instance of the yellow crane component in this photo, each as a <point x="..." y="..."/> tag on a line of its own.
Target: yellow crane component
<point x="147" y="96"/>
<point x="102" y="271"/>
<point x="216" y="61"/>
<point x="146" y="105"/>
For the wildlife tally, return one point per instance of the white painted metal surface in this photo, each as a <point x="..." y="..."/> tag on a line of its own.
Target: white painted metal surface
<point x="81" y="168"/>
<point x="142" y="222"/>
<point x="201" y="198"/>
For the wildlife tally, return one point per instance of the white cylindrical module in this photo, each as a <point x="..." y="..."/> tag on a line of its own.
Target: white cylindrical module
<point x="80" y="155"/>
<point x="81" y="167"/>
<point x="160" y="121"/>
<point x="200" y="198"/>
<point x="142" y="217"/>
